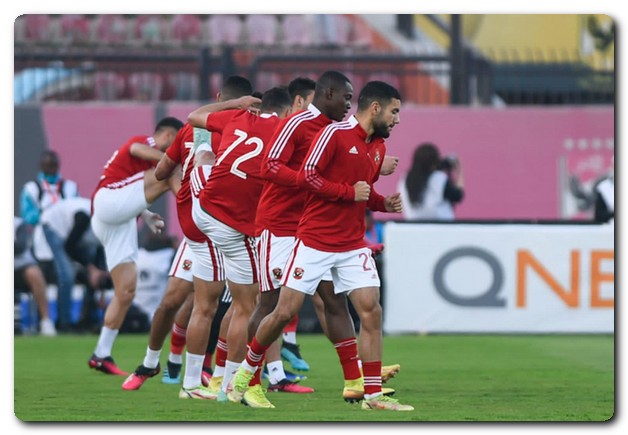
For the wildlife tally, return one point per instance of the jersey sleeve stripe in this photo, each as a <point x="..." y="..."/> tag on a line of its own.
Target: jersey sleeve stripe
<point x="282" y="139"/>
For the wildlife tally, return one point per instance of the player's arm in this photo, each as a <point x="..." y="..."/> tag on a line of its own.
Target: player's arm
<point x="198" y="118"/>
<point x="318" y="158"/>
<point x="274" y="164"/>
<point x="389" y="204"/>
<point x="389" y="164"/>
<point x="165" y="167"/>
<point x="145" y="152"/>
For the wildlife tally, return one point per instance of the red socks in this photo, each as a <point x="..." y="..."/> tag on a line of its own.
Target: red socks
<point x="348" y="355"/>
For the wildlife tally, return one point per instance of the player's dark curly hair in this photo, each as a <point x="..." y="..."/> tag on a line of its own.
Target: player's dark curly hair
<point x="377" y="91"/>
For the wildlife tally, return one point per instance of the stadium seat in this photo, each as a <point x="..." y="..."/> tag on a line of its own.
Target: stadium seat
<point x="224" y="29"/>
<point x="296" y="30"/>
<point x="331" y="29"/>
<point x="111" y="29"/>
<point x="186" y="30"/>
<point x="108" y="86"/>
<point x="39" y="28"/>
<point x="151" y="29"/>
<point x="184" y="85"/>
<point x="145" y="86"/>
<point x="75" y="29"/>
<point x="261" y="29"/>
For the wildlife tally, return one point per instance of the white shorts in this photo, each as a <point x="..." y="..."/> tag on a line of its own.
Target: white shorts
<point x="274" y="253"/>
<point x="119" y="241"/>
<point x="115" y="221"/>
<point x="209" y="264"/>
<point x="350" y="270"/>
<point x="182" y="262"/>
<point x="239" y="251"/>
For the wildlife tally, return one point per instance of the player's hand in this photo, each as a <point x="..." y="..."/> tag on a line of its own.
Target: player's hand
<point x="250" y="103"/>
<point x="393" y="203"/>
<point x="389" y="165"/>
<point x="155" y="222"/>
<point x="362" y="191"/>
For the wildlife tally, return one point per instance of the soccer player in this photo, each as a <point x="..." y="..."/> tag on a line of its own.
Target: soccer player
<point x="193" y="151"/>
<point x="338" y="172"/>
<point x="279" y="211"/>
<point x="126" y="189"/>
<point x="226" y="214"/>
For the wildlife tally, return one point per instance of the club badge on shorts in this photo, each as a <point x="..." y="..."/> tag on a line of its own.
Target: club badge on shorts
<point x="277" y="273"/>
<point x="187" y="264"/>
<point x="298" y="273"/>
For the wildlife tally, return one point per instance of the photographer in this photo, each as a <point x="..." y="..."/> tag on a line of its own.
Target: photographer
<point x="432" y="186"/>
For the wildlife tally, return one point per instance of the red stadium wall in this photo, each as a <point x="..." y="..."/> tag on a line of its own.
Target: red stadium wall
<point x="515" y="160"/>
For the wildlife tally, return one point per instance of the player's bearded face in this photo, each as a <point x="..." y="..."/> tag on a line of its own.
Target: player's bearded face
<point x="381" y="126"/>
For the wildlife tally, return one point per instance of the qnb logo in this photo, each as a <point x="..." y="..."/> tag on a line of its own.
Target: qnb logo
<point x="526" y="264"/>
<point x="490" y="298"/>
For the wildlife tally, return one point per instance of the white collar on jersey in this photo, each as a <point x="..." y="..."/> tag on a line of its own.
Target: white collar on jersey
<point x="268" y="115"/>
<point x="353" y="121"/>
<point x="312" y="108"/>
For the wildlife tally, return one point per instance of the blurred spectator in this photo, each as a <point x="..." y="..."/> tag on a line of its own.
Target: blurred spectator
<point x="39" y="194"/>
<point x="432" y="186"/>
<point x="66" y="225"/>
<point x="605" y="200"/>
<point x="28" y="276"/>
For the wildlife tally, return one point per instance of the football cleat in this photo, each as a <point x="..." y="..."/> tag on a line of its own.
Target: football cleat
<point x="353" y="390"/>
<point x="139" y="376"/>
<point x="240" y="383"/>
<point x="172" y="374"/>
<point x="385" y="403"/>
<point x="255" y="398"/>
<point x="106" y="365"/>
<point x="389" y="372"/>
<point x="197" y="393"/>
<point x="214" y="384"/>
<point x="291" y="353"/>
<point x="286" y="386"/>
<point x="206" y="376"/>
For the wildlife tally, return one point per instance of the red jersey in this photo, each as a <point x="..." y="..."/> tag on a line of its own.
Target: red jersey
<point x="281" y="203"/>
<point x="234" y="186"/>
<point x="122" y="168"/>
<point x="182" y="151"/>
<point x="339" y="157"/>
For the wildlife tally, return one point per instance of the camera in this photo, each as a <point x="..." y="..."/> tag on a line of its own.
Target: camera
<point x="448" y="162"/>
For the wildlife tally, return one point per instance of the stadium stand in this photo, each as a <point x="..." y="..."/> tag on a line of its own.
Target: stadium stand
<point x="108" y="86"/>
<point x="186" y="30"/>
<point x="296" y="31"/>
<point x="111" y="30"/>
<point x="224" y="29"/>
<point x="75" y="29"/>
<point x="145" y="86"/>
<point x="39" y="28"/>
<point x="183" y="85"/>
<point x="261" y="29"/>
<point x="152" y="30"/>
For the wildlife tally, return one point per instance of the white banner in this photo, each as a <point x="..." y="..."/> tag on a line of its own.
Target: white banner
<point x="498" y="278"/>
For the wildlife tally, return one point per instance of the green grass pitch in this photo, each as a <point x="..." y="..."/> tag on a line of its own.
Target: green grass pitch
<point x="447" y="378"/>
